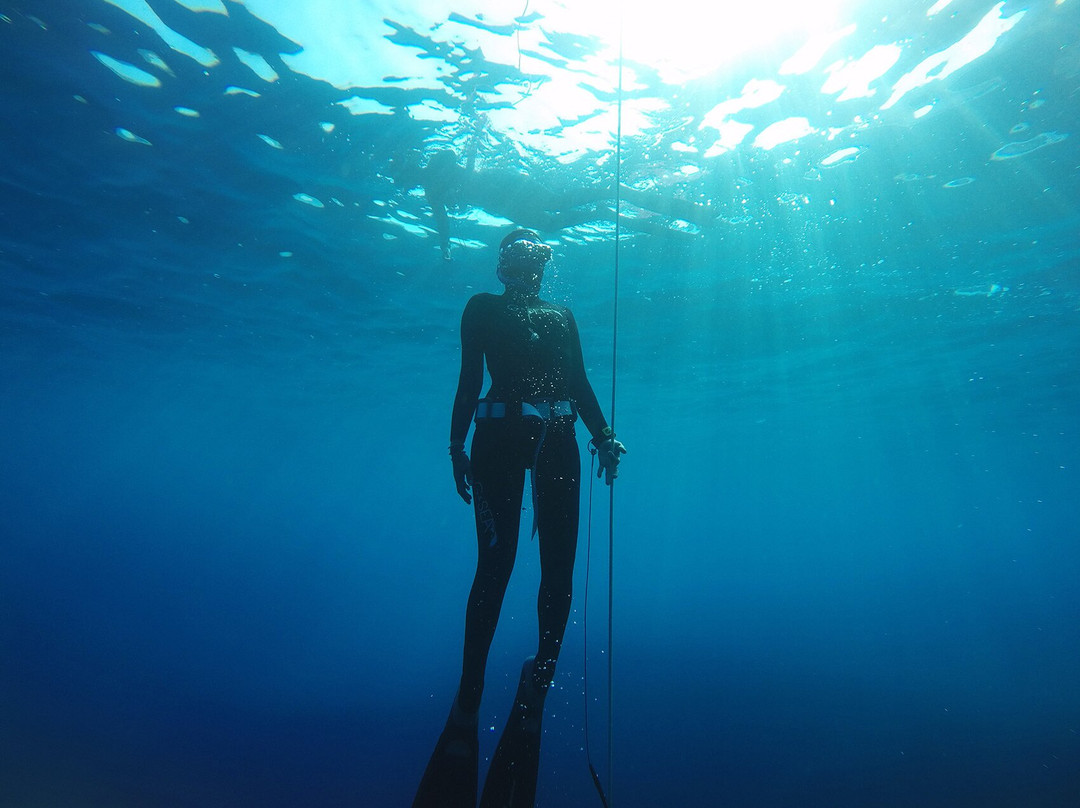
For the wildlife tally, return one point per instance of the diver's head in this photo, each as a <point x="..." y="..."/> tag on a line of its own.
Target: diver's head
<point x="522" y="256"/>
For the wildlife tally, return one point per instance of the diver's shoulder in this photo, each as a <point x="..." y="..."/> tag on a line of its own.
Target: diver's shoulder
<point x="481" y="303"/>
<point x="483" y="299"/>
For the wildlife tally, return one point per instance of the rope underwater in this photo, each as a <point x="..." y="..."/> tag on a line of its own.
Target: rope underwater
<point x="607" y="799"/>
<point x="588" y="565"/>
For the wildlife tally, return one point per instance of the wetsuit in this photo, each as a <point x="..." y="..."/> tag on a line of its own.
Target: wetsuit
<point x="533" y="356"/>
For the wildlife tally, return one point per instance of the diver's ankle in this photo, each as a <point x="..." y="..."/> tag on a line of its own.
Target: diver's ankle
<point x="461" y="716"/>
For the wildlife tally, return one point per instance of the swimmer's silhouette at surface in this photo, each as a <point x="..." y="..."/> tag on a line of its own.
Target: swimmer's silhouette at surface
<point x="522" y="198"/>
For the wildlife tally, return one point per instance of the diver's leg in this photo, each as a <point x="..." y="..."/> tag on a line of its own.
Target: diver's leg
<point x="497" y="488"/>
<point x="558" y="479"/>
<point x="450" y="779"/>
<point x="671" y="206"/>
<point x="511" y="779"/>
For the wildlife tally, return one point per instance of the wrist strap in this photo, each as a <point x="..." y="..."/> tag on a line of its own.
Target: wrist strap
<point x="605" y="435"/>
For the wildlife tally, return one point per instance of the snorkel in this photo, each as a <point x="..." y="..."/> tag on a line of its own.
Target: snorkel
<point x="522" y="256"/>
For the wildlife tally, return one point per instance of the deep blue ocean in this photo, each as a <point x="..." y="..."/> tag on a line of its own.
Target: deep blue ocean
<point x="233" y="565"/>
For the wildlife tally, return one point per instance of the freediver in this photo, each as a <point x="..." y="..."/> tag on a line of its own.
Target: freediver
<point x="524" y="422"/>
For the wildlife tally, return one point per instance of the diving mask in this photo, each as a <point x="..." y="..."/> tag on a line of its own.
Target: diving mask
<point x="521" y="264"/>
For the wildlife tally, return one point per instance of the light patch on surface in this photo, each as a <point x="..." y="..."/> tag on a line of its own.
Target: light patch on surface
<point x="784" y="131"/>
<point x="131" y="137"/>
<point x="349" y="49"/>
<point x="140" y="10"/>
<point x="535" y="121"/>
<point x="154" y="60"/>
<point x="269" y="141"/>
<point x="982" y="291"/>
<point x="937" y="8"/>
<point x="232" y="89"/>
<point x="853" y="79"/>
<point x="959" y="182"/>
<point x="326" y="126"/>
<point x="127" y="72"/>
<point x="691" y="39"/>
<point x="921" y="111"/>
<point x="365" y="106"/>
<point x="257" y="64"/>
<point x="755" y="93"/>
<point x="411" y="229"/>
<point x="1010" y="151"/>
<point x="215" y="6"/>
<point x="187" y="112"/>
<point x="943" y="64"/>
<point x="841" y="156"/>
<point x="807" y="57"/>
<point x="429" y="110"/>
<point x="308" y="199"/>
<point x="732" y="133"/>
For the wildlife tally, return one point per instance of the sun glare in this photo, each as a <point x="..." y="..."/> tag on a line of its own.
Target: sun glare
<point x="684" y="39"/>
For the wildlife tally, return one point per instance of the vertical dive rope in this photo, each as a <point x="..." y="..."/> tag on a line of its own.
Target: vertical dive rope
<point x="607" y="799"/>
<point x="614" y="368"/>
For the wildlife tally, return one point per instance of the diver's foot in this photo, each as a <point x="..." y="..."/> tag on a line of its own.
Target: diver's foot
<point x="461" y="731"/>
<point x="461" y="717"/>
<point x="529" y="701"/>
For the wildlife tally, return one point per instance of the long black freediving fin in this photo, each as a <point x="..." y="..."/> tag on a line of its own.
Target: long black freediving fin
<point x="511" y="779"/>
<point x="451" y="777"/>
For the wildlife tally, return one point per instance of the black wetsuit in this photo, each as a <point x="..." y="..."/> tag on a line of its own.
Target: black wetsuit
<point x="533" y="355"/>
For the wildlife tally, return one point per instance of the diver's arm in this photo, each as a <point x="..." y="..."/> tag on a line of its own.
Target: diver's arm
<point x="442" y="224"/>
<point x="470" y="160"/>
<point x="470" y="380"/>
<point x="471" y="377"/>
<point x="588" y="407"/>
<point x="474" y="143"/>
<point x="608" y="450"/>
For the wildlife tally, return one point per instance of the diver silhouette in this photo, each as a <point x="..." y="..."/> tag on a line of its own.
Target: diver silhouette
<point x="525" y="422"/>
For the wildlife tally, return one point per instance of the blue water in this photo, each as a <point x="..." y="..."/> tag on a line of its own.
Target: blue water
<point x="233" y="562"/>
